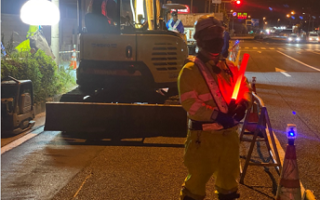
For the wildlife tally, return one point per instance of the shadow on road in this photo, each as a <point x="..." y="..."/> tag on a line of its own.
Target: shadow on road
<point x="152" y="139"/>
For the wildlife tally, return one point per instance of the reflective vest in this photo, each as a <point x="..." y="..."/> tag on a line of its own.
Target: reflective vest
<point x="174" y="27"/>
<point x="198" y="100"/>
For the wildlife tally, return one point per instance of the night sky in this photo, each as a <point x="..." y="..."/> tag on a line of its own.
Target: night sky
<point x="271" y="9"/>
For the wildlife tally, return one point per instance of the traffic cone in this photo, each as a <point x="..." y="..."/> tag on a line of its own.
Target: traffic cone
<point x="289" y="185"/>
<point x="73" y="62"/>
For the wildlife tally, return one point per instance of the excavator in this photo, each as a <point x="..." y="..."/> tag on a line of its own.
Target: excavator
<point x="127" y="72"/>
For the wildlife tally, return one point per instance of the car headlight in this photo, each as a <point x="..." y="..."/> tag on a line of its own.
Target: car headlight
<point x="311" y="38"/>
<point x="298" y="39"/>
<point x="318" y="39"/>
<point x="289" y="38"/>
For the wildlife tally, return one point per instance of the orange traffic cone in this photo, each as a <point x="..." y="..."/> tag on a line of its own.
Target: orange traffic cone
<point x="289" y="185"/>
<point x="73" y="62"/>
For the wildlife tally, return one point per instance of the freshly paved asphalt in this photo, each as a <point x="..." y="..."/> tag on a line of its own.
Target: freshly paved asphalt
<point x="56" y="166"/>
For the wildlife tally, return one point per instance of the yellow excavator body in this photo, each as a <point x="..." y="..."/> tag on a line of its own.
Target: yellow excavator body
<point x="116" y="71"/>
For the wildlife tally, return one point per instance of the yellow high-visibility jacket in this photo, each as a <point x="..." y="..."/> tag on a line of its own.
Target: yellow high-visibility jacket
<point x="195" y="96"/>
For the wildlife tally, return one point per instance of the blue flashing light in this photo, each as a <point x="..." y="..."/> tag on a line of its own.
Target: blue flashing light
<point x="301" y="17"/>
<point x="292" y="17"/>
<point x="293" y="112"/>
<point x="234" y="14"/>
<point x="270" y="9"/>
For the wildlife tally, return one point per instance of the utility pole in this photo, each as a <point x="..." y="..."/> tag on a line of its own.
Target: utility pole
<point x="55" y="36"/>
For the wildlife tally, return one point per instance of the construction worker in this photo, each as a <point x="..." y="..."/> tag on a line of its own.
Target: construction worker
<point x="175" y="24"/>
<point x="226" y="38"/>
<point x="95" y="20"/>
<point x="205" y="88"/>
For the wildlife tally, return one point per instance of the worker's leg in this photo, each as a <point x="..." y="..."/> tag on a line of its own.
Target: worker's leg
<point x="199" y="156"/>
<point x="228" y="169"/>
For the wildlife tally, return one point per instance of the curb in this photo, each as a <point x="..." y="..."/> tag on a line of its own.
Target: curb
<point x="308" y="195"/>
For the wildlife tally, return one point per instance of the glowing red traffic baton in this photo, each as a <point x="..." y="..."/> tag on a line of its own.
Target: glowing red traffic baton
<point x="242" y="70"/>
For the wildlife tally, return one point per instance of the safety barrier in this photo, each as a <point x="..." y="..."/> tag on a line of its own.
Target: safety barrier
<point x="257" y="123"/>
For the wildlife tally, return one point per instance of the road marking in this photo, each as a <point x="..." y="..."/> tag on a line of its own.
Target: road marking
<point x="21" y="140"/>
<point x="259" y="51"/>
<point x="298" y="61"/>
<point x="263" y="48"/>
<point x="271" y="48"/>
<point x="283" y="72"/>
<point x="255" y="48"/>
<point x="76" y="194"/>
<point x="17" y="142"/>
<point x="238" y="57"/>
<point x="313" y="52"/>
<point x="246" y="47"/>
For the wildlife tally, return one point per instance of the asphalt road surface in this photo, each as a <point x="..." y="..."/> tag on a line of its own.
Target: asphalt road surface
<point x="52" y="165"/>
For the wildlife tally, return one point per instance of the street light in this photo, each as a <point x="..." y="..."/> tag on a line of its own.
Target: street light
<point x="264" y="18"/>
<point x="292" y="12"/>
<point x="265" y="22"/>
<point x="249" y="16"/>
<point x="288" y="15"/>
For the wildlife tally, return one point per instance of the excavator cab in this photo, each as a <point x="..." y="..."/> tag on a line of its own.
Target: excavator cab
<point x="17" y="111"/>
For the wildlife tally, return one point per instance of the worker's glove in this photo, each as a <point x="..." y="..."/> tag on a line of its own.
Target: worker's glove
<point x="225" y="120"/>
<point x="240" y="110"/>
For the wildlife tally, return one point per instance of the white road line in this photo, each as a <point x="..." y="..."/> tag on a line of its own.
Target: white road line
<point x="282" y="72"/>
<point x="263" y="48"/>
<point x="271" y="48"/>
<point x="298" y="61"/>
<point x="259" y="51"/>
<point x="17" y="142"/>
<point x="286" y="74"/>
<point x="246" y="47"/>
<point x="255" y="48"/>
<point x="314" y="52"/>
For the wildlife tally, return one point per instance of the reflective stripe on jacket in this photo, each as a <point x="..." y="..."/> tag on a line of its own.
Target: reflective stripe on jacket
<point x="195" y="97"/>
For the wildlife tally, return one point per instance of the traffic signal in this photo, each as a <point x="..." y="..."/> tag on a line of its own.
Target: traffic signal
<point x="238" y="2"/>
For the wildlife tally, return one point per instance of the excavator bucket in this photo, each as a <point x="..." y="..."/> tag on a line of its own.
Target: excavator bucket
<point x="125" y="120"/>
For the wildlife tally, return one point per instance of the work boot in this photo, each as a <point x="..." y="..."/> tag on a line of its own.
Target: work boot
<point x="231" y="196"/>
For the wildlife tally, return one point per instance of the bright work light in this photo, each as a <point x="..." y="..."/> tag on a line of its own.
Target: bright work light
<point x="39" y="12"/>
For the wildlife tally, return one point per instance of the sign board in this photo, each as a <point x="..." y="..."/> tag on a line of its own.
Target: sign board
<point x="242" y="15"/>
<point x="216" y="1"/>
<point x="188" y="20"/>
<point x="254" y="22"/>
<point x="182" y="11"/>
<point x="248" y="22"/>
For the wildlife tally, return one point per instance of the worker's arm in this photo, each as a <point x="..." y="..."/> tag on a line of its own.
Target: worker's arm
<point x="180" y="28"/>
<point x="193" y="102"/>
